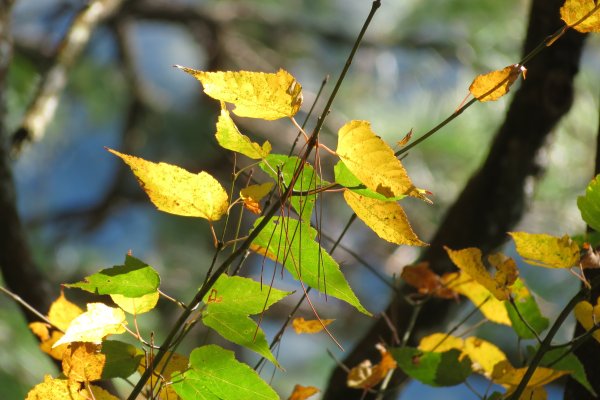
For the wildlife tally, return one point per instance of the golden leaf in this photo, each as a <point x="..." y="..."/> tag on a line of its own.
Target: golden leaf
<point x="255" y="94"/>
<point x="136" y="305"/>
<point x="495" y="84"/>
<point x="229" y="137"/>
<point x="573" y="13"/>
<point x="440" y="343"/>
<point x="507" y="375"/>
<point x="545" y="250"/>
<point x="176" y="191"/>
<point x="55" y="389"/>
<point x="253" y="194"/>
<point x="83" y="362"/>
<point x="175" y="362"/>
<point x="386" y="218"/>
<point x="373" y="162"/>
<point x="62" y="312"/>
<point x="93" y="325"/>
<point x="310" y="326"/>
<point x="303" y="392"/>
<point x="587" y="314"/>
<point x="365" y="375"/>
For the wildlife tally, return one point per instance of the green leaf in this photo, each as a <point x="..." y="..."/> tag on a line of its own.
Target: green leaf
<point x="216" y="370"/>
<point x="122" y="359"/>
<point x="228" y="305"/>
<point x="569" y="362"/>
<point x="229" y="137"/>
<point x="292" y="244"/>
<point x="589" y="205"/>
<point x="134" y="279"/>
<point x="344" y="177"/>
<point x="434" y="369"/>
<point x="308" y="180"/>
<point x="528" y="309"/>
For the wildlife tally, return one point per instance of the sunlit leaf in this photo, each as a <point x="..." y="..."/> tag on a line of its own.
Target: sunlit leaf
<point x="294" y="246"/>
<point x="133" y="279"/>
<point x="93" y="325"/>
<point x="170" y="365"/>
<point x="564" y="360"/>
<point x="62" y="312"/>
<point x="469" y="261"/>
<point x="386" y="219"/>
<point x="372" y="161"/>
<point x="528" y="310"/>
<point x="495" y="84"/>
<point x="574" y="10"/>
<point x="83" y="362"/>
<point x="229" y="137"/>
<point x="366" y="376"/>
<point x="255" y="94"/>
<point x="545" y="250"/>
<point x="426" y="281"/>
<point x="228" y="305"/>
<point x="507" y="375"/>
<point x="344" y="177"/>
<point x="589" y="205"/>
<point x="302" y="325"/>
<point x="441" y="342"/>
<point x="176" y="191"/>
<point x="55" y="389"/>
<point x="303" y="392"/>
<point x="136" y="305"/>
<point x="431" y="368"/>
<point x="587" y="314"/>
<point x="253" y="194"/>
<point x="216" y="370"/>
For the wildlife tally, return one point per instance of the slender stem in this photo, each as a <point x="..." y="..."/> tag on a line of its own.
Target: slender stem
<point x="527" y="324"/>
<point x="411" y="323"/>
<point x="23" y="303"/>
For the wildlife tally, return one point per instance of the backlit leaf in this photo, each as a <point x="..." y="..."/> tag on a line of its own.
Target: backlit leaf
<point x="93" y="325"/>
<point x="386" y="219"/>
<point x="573" y="11"/>
<point x="136" y="305"/>
<point x="253" y="194"/>
<point x="372" y="161"/>
<point x="469" y="261"/>
<point x="229" y="137"/>
<point x="62" y="312"/>
<point x="587" y="314"/>
<point x="216" y="371"/>
<point x="441" y="342"/>
<point x="176" y="191"/>
<point x="55" y="389"/>
<point x="133" y="279"/>
<point x="303" y="392"/>
<point x="83" y="362"/>
<point x="366" y="376"/>
<point x="294" y="246"/>
<point x="528" y="310"/>
<point x="507" y="375"/>
<point x="545" y="250"/>
<point x="431" y="368"/>
<point x="344" y="177"/>
<point x="302" y="325"/>
<point x="589" y="205"/>
<point x="255" y="94"/>
<point x="426" y="281"/>
<point x="495" y="84"/>
<point x="169" y="366"/>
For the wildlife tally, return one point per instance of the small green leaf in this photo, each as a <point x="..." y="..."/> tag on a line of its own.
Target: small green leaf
<point x="346" y="178"/>
<point x="229" y="137"/>
<point x="292" y="244"/>
<point x="134" y="279"/>
<point x="589" y="205"/>
<point x="568" y="362"/>
<point x="122" y="359"/>
<point x="215" y="370"/>
<point x="529" y="310"/>
<point x="308" y="180"/>
<point x="434" y="369"/>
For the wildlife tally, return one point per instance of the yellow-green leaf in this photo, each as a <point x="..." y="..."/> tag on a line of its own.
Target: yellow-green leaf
<point x="545" y="250"/>
<point x="507" y="375"/>
<point x="93" y="325"/>
<point x="372" y="161"/>
<point x="255" y="94"/>
<point x="176" y="191"/>
<point x="229" y="137"/>
<point x="573" y="13"/>
<point x="387" y="219"/>
<point x="469" y="261"/>
<point x="587" y="314"/>
<point x="136" y="305"/>
<point x="495" y="84"/>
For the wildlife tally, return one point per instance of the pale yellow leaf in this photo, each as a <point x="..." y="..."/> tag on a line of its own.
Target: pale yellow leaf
<point x="136" y="305"/>
<point x="441" y="342"/>
<point x="573" y="12"/>
<point x="545" y="250"/>
<point x="587" y="314"/>
<point x="495" y="84"/>
<point x="302" y="325"/>
<point x="93" y="325"/>
<point x="386" y="218"/>
<point x="255" y="94"/>
<point x="373" y="162"/>
<point x="229" y="137"/>
<point x="483" y="354"/>
<point x="176" y="191"/>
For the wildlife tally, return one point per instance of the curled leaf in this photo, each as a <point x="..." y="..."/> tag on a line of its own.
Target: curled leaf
<point x="426" y="281"/>
<point x="253" y="194"/>
<point x="303" y="392"/>
<point x="495" y="84"/>
<point x="365" y="375"/>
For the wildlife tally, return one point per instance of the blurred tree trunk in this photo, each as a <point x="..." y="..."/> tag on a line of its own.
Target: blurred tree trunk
<point x="494" y="199"/>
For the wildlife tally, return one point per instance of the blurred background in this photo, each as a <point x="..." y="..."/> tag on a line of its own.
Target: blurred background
<point x="84" y="211"/>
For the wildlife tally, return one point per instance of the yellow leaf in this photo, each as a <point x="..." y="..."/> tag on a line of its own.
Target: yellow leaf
<point x="55" y="389"/>
<point x="573" y="12"/>
<point x="469" y="261"/>
<point x="175" y="362"/>
<point x="386" y="218"/>
<point x="441" y="342"/>
<point x="93" y="325"/>
<point x="136" y="305"/>
<point x="176" y="191"/>
<point x="492" y="308"/>
<point x="253" y="194"/>
<point x="587" y="315"/>
<point x="545" y="250"/>
<point x="365" y="375"/>
<point x="255" y="94"/>
<point x="229" y="137"/>
<point x="373" y="162"/>
<point x="62" y="312"/>
<point x="83" y="362"/>
<point x="309" y="326"/>
<point x="483" y="354"/>
<point x="303" y="392"/>
<point x="495" y="84"/>
<point x="507" y="375"/>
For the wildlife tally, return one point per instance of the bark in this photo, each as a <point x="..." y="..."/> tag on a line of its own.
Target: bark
<point x="494" y="199"/>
